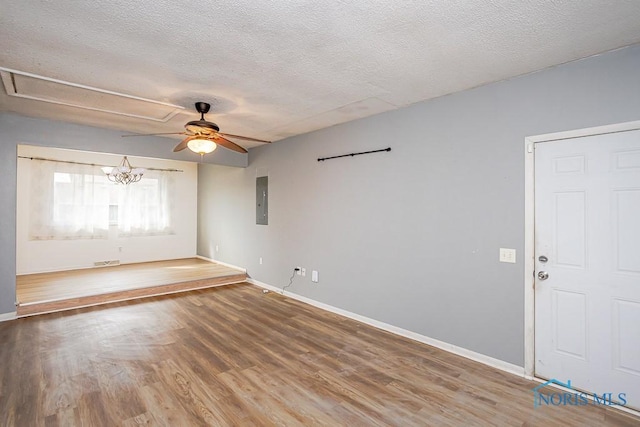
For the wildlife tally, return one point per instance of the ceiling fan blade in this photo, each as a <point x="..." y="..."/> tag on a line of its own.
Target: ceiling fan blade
<point x="182" y="145"/>
<point x="154" y="134"/>
<point x="243" y="137"/>
<point x="228" y="144"/>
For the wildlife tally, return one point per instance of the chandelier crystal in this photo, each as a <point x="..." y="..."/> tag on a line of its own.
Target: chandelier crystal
<point x="124" y="173"/>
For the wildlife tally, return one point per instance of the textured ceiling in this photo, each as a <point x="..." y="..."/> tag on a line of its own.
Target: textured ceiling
<point x="272" y="69"/>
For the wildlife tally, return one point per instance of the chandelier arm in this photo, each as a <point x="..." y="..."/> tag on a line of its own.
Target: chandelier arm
<point x="125" y="174"/>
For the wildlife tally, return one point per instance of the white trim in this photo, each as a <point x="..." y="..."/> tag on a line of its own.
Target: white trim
<point x="529" y="259"/>
<point x="579" y="133"/>
<point x="90" y="267"/>
<point x="478" y="357"/>
<point x="529" y="227"/>
<point x="4" y="317"/>
<point x="12" y="92"/>
<point x="221" y="263"/>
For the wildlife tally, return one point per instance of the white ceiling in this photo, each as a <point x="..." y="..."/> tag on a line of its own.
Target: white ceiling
<point x="273" y="69"/>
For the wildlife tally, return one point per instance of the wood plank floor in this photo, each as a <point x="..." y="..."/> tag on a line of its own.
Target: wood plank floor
<point x="235" y="356"/>
<point x="44" y="292"/>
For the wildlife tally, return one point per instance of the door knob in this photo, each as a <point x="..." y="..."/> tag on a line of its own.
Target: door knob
<point x="543" y="275"/>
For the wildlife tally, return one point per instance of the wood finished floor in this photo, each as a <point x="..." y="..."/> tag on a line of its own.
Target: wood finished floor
<point x="235" y="356"/>
<point x="45" y="292"/>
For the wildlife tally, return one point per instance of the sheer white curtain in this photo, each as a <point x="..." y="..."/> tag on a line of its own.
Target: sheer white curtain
<point x="74" y="201"/>
<point x="67" y="201"/>
<point x="146" y="208"/>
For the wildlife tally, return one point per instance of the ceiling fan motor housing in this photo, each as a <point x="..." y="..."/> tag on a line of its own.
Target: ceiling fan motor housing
<point x="202" y="127"/>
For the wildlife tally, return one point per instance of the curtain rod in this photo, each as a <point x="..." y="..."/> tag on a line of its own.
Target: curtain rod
<point x="322" y="159"/>
<point x="92" y="164"/>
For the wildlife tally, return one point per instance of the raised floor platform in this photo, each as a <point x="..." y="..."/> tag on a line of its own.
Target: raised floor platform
<point x="63" y="290"/>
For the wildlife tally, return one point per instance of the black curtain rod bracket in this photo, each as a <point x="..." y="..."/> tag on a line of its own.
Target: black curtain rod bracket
<point x="322" y="159"/>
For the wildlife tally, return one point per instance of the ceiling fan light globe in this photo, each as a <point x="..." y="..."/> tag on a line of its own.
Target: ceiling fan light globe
<point x="201" y="146"/>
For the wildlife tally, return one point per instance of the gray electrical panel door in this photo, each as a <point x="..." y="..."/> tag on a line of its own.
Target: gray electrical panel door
<point x="262" y="200"/>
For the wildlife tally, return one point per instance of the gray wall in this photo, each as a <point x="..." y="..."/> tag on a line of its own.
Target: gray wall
<point x="15" y="129"/>
<point x="411" y="237"/>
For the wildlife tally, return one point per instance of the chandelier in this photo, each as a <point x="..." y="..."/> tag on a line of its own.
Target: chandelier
<point x="124" y="173"/>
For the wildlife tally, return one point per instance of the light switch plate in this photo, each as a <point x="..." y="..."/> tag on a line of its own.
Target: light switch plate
<point x="507" y="255"/>
<point x="314" y="276"/>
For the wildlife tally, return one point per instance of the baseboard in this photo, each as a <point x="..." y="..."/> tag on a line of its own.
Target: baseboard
<point x="4" y="317"/>
<point x="90" y="267"/>
<point x="460" y="351"/>
<point x="221" y="263"/>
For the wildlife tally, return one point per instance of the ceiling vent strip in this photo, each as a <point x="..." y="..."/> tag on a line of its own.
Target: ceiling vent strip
<point x="39" y="88"/>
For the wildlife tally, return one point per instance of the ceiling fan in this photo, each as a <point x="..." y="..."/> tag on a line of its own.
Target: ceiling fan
<point x="203" y="136"/>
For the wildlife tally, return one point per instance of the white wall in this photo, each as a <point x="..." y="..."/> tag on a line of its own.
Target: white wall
<point x="35" y="256"/>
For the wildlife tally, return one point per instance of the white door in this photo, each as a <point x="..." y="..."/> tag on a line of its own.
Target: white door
<point x="587" y="225"/>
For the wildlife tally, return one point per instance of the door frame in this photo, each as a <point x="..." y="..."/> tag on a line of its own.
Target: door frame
<point x="529" y="225"/>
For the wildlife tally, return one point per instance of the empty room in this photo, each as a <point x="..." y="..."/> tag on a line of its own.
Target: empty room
<point x="320" y="213"/>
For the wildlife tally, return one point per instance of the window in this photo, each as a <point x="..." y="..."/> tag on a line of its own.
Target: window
<point x="73" y="201"/>
<point x="144" y="208"/>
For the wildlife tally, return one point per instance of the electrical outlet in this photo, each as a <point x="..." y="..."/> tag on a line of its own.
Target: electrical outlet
<point x="299" y="271"/>
<point x="303" y="271"/>
<point x="508" y="255"/>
